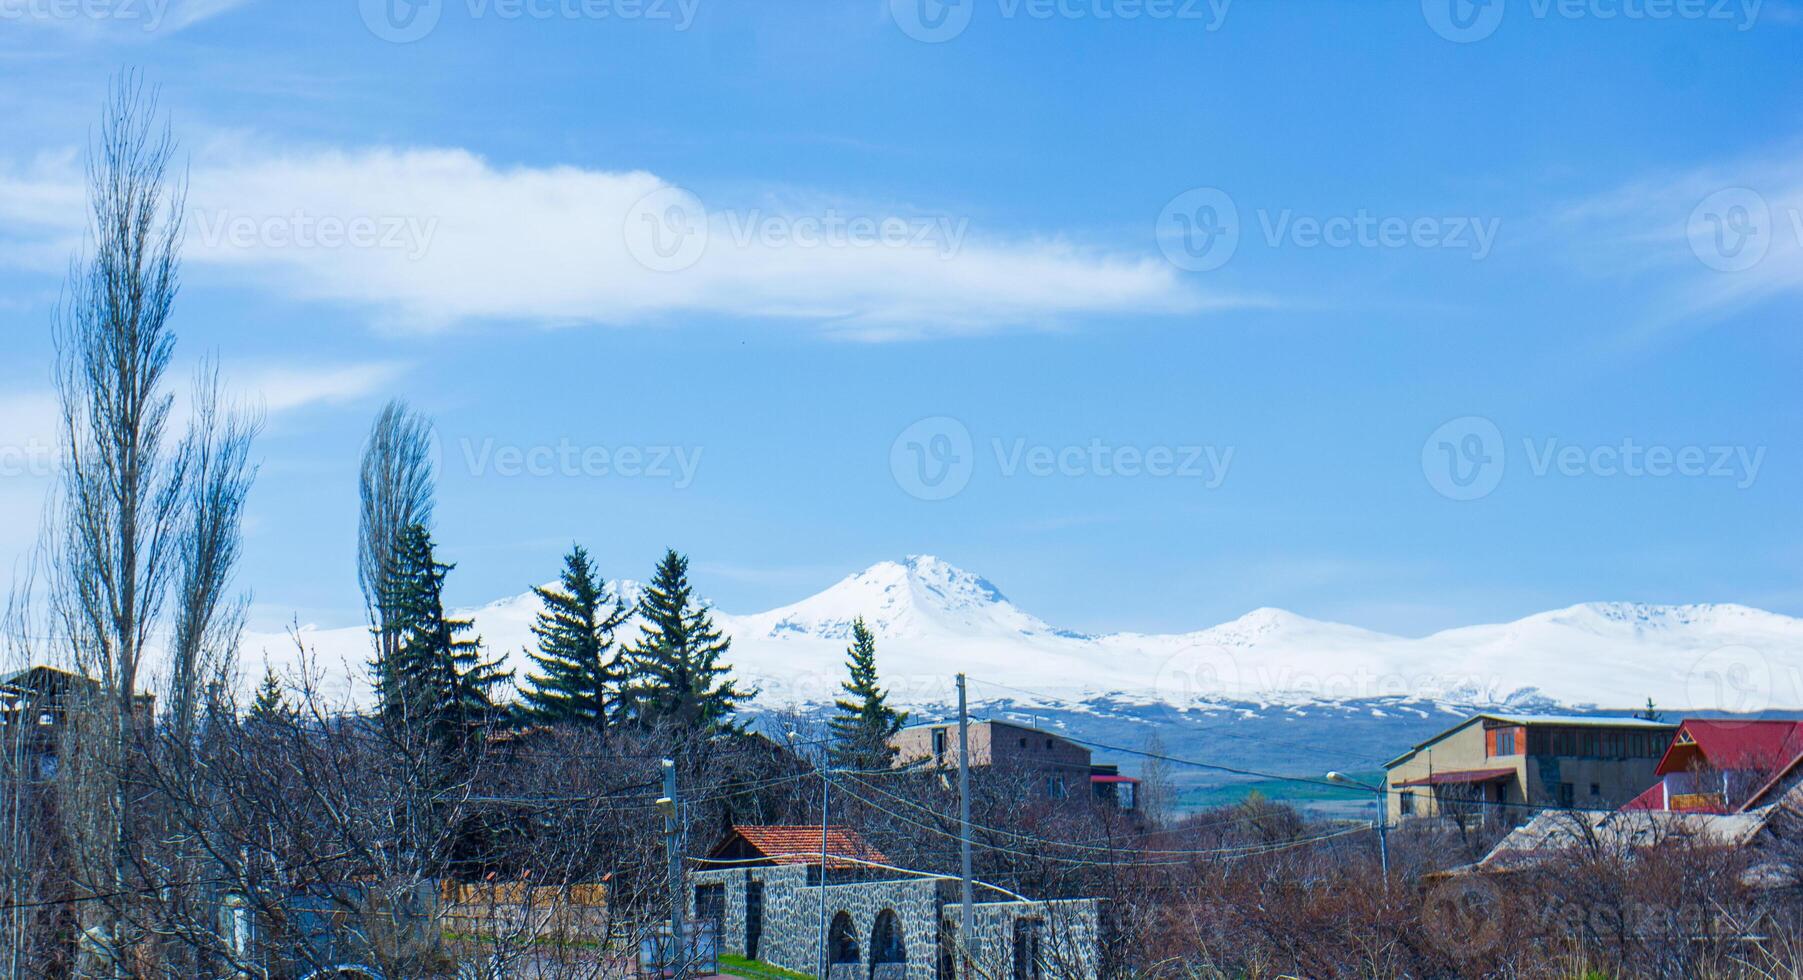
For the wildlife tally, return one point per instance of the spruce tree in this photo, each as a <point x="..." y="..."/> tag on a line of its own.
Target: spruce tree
<point x="864" y="722"/>
<point x="677" y="675"/>
<point x="436" y="680"/>
<point x="271" y="703"/>
<point x="577" y="671"/>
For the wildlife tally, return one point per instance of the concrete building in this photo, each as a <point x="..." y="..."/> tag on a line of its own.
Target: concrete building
<point x="1054" y="767"/>
<point x="1500" y="768"/>
<point x="765" y="887"/>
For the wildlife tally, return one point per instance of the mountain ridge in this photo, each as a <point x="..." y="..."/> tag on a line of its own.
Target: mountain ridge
<point x="933" y="620"/>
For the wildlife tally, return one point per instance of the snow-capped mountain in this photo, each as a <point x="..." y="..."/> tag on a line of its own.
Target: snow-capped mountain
<point x="934" y="620"/>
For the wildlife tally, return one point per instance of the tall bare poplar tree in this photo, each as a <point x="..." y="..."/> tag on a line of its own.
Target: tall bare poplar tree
<point x="396" y="491"/>
<point x="208" y="617"/>
<point x="120" y="495"/>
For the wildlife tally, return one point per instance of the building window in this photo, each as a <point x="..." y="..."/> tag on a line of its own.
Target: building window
<point x="939" y="741"/>
<point x="1405" y="803"/>
<point x="1596" y="790"/>
<point x="1054" y="786"/>
<point x="1505" y="741"/>
<point x="1567" y="795"/>
<point x="1048" y="743"/>
<point x="1023" y="743"/>
<point x="710" y="903"/>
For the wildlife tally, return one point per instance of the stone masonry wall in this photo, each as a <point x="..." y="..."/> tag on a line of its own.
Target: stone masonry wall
<point x="1069" y="930"/>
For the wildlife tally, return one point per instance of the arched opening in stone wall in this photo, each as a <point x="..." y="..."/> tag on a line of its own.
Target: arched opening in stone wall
<point x="842" y="941"/>
<point x="888" y="950"/>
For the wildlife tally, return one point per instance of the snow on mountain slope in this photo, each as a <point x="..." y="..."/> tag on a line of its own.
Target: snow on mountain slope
<point x="933" y="620"/>
<point x="918" y="598"/>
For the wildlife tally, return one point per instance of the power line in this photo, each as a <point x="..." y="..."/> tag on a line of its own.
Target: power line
<point x="1215" y="729"/>
<point x="1076" y="845"/>
<point x="1307" y="780"/>
<point x="1243" y="851"/>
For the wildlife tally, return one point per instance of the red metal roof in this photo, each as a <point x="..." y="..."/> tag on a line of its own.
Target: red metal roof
<point x="801" y="845"/>
<point x="1653" y="798"/>
<point x="1727" y="744"/>
<point x="1112" y="779"/>
<point x="1460" y="776"/>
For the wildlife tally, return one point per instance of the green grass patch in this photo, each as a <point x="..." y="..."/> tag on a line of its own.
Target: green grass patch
<point x="739" y="966"/>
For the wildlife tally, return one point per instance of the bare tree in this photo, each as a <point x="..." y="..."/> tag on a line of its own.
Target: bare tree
<point x="396" y="491"/>
<point x="28" y="829"/>
<point x="1157" y="798"/>
<point x="208" y="619"/>
<point x="120" y="491"/>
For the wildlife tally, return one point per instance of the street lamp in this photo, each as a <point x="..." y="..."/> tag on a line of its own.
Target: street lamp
<point x="1383" y="817"/>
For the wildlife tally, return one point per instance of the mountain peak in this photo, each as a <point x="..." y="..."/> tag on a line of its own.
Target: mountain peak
<point x="921" y="596"/>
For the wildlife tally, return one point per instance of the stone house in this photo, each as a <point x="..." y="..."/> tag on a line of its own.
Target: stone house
<point x="765" y="888"/>
<point x="1501" y="768"/>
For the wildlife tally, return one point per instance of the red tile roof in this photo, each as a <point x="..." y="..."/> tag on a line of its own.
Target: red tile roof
<point x="1460" y="776"/>
<point x="798" y="845"/>
<point x="1726" y="744"/>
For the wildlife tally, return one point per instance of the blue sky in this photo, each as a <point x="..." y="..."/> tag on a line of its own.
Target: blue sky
<point x="1403" y="314"/>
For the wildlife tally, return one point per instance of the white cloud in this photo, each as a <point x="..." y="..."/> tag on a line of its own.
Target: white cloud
<point x="429" y="238"/>
<point x="285" y="389"/>
<point x="1713" y="239"/>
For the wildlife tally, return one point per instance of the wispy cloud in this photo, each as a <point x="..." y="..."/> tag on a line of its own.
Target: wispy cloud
<point x="285" y="389"/>
<point x="429" y="238"/>
<point x="1709" y="241"/>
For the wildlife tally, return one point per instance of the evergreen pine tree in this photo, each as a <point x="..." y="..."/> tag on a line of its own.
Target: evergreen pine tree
<point x="271" y="703"/>
<point x="577" y="671"/>
<point x="437" y="680"/>
<point x="864" y="722"/>
<point x="677" y="675"/>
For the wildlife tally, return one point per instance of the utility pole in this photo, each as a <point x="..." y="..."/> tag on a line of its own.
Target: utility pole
<point x="966" y="927"/>
<point x="1383" y="818"/>
<point x="825" y="789"/>
<point x="678" y="958"/>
